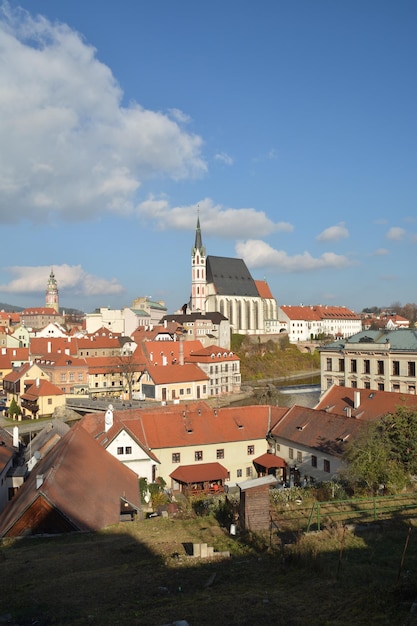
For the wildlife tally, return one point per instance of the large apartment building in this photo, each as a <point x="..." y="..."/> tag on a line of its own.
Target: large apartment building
<point x="304" y="323"/>
<point x="373" y="359"/>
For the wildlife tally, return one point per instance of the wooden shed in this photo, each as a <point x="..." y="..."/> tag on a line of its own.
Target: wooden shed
<point x="254" y="503"/>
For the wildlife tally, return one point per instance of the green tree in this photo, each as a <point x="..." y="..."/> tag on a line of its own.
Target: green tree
<point x="385" y="453"/>
<point x="14" y="409"/>
<point x="400" y="429"/>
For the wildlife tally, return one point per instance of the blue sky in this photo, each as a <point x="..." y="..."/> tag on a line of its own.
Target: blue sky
<point x="291" y="125"/>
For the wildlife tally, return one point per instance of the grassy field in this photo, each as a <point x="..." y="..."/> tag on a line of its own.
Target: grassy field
<point x="139" y="573"/>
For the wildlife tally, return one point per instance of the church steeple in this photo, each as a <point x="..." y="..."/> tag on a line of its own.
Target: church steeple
<point x="198" y="272"/>
<point x="51" y="299"/>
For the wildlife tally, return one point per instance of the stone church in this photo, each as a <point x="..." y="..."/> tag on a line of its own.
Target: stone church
<point x="225" y="285"/>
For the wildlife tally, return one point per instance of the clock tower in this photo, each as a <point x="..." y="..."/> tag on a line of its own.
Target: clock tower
<point x="51" y="299"/>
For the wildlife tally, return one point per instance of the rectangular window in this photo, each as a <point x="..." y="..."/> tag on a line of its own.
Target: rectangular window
<point x="380" y="367"/>
<point x="251" y="449"/>
<point x="299" y="457"/>
<point x="381" y="386"/>
<point x="353" y="366"/>
<point x="176" y="457"/>
<point x="326" y="465"/>
<point x="80" y="376"/>
<point x="354" y="383"/>
<point x="366" y="366"/>
<point x="411" y="368"/>
<point x="395" y="368"/>
<point x="248" y="472"/>
<point x="341" y="365"/>
<point x="63" y="378"/>
<point x="188" y="391"/>
<point x="220" y="453"/>
<point x="128" y="450"/>
<point x="198" y="455"/>
<point x="367" y="385"/>
<point x="329" y="364"/>
<point x="239" y="473"/>
<point x="120" y="450"/>
<point x="291" y="453"/>
<point x="313" y="460"/>
<point x="49" y="400"/>
<point x="181" y="392"/>
<point x="71" y="376"/>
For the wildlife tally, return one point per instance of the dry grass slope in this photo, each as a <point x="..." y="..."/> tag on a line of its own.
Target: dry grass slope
<point x="139" y="573"/>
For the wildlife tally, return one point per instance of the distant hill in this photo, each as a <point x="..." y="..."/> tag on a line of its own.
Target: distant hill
<point x="9" y="308"/>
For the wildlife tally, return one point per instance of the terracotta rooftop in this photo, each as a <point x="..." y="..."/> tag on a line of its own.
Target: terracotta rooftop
<point x="365" y="404"/>
<point x="318" y="312"/>
<point x="199" y="472"/>
<point x="169" y="374"/>
<point x="190" y="424"/>
<point x="327" y="432"/>
<point x="81" y="480"/>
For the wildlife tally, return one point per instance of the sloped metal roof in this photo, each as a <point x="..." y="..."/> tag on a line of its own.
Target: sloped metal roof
<point x="230" y="277"/>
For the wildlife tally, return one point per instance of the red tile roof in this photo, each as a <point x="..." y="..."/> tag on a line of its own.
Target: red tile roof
<point x="43" y="389"/>
<point x="324" y="431"/>
<point x="39" y="311"/>
<point x="172" y="374"/>
<point x="263" y="289"/>
<point x="270" y="461"/>
<point x="81" y="480"/>
<point x="191" y="424"/>
<point x="318" y="312"/>
<point x="370" y="404"/>
<point x="199" y="473"/>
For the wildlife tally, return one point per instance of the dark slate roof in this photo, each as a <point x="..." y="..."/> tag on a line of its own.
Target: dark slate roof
<point x="215" y="317"/>
<point x="230" y="277"/>
<point x="399" y="339"/>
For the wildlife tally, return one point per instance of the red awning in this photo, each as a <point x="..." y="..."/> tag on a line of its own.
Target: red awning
<point x="199" y="473"/>
<point x="270" y="461"/>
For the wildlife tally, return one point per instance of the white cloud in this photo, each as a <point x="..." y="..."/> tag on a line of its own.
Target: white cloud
<point x="258" y="254"/>
<point x="72" y="148"/>
<point x="215" y="219"/>
<point x="396" y="233"/>
<point x="69" y="277"/>
<point x="334" y="233"/>
<point x="225" y="158"/>
<point x="380" y="252"/>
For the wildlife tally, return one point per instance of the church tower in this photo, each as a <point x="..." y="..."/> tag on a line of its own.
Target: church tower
<point x="51" y="299"/>
<point x="198" y="272"/>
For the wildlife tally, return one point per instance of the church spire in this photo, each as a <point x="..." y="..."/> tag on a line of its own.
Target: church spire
<point x="198" y="244"/>
<point x="198" y="271"/>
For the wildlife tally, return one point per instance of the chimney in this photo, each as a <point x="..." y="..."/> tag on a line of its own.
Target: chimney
<point x="181" y="352"/>
<point x="39" y="480"/>
<point x="349" y="411"/>
<point x="108" y="419"/>
<point x="356" y="399"/>
<point x="164" y="360"/>
<point x="15" y="437"/>
<point x="37" y="382"/>
<point x="49" y="350"/>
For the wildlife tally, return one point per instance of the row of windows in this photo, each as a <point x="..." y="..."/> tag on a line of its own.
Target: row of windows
<point x="299" y="458"/>
<point x="198" y="454"/>
<point x="124" y="450"/>
<point x="366" y="367"/>
<point x="71" y="377"/>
